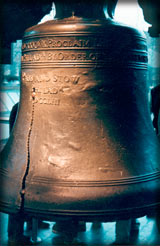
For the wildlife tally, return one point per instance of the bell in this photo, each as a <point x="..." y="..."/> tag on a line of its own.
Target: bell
<point x="83" y="144"/>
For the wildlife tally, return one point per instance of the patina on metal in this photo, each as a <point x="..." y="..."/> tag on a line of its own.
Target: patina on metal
<point x="83" y="145"/>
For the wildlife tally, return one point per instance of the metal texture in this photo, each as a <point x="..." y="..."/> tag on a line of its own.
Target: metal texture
<point x="83" y="144"/>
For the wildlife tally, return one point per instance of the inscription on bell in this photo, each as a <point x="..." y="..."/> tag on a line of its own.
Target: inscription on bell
<point x="46" y="56"/>
<point x="43" y="95"/>
<point x="48" y="101"/>
<point x="49" y="77"/>
<point x="49" y="90"/>
<point x="78" y="42"/>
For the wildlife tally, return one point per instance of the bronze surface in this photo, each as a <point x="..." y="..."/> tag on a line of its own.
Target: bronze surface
<point x="83" y="144"/>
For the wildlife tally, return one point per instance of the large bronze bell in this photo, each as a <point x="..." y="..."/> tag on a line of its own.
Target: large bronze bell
<point x="83" y="144"/>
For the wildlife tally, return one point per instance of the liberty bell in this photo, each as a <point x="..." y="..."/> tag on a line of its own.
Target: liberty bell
<point x="83" y="144"/>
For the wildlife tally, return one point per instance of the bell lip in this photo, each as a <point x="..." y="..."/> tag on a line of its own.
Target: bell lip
<point x="85" y="215"/>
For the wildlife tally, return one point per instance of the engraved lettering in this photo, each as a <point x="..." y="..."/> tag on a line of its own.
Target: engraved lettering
<point x="59" y="44"/>
<point x="46" y="90"/>
<point x="43" y="55"/>
<point x="49" y="90"/>
<point x="73" y="57"/>
<point x="66" y="79"/>
<point x="52" y="56"/>
<point x="49" y="101"/>
<point x="65" y="43"/>
<point x="79" y="57"/>
<point x="49" y="56"/>
<point x="64" y="89"/>
<point x="37" y="57"/>
<point x="46" y="78"/>
<point x="42" y="43"/>
<point x="60" y="56"/>
<point x="49" y="41"/>
<point x="40" y="100"/>
<point x="38" y="78"/>
<point x="85" y="43"/>
<point x="23" y="76"/>
<point x="84" y="56"/>
<point x="79" y="42"/>
<point x="45" y="100"/>
<point x="75" y="79"/>
<point x="53" y="90"/>
<point x="55" y="78"/>
<point x="27" y="78"/>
